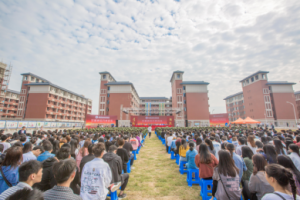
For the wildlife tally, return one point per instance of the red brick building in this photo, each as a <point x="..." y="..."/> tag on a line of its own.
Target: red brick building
<point x="263" y="100"/>
<point x="121" y="99"/>
<point x="297" y="96"/>
<point x="10" y="106"/>
<point x="42" y="100"/>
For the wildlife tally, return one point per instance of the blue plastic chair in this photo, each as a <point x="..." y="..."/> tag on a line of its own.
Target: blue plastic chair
<point x="190" y="180"/>
<point x="177" y="158"/>
<point x="138" y="150"/>
<point x="134" y="153"/>
<point x="204" y="191"/>
<point x="113" y="195"/>
<point x="128" y="167"/>
<point x="173" y="155"/>
<point x="163" y="141"/>
<point x="169" y="150"/>
<point x="182" y="169"/>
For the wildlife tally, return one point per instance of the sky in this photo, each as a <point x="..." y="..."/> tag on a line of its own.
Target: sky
<point x="144" y="41"/>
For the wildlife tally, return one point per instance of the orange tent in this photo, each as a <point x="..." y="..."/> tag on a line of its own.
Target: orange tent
<point x="239" y="121"/>
<point x="248" y="120"/>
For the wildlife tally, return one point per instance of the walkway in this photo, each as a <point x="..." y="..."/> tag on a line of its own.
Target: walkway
<point x="156" y="176"/>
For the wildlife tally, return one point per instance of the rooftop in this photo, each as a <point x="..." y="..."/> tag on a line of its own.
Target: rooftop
<point x="12" y="91"/>
<point x="56" y="86"/>
<point x="258" y="72"/>
<point x="194" y="83"/>
<point x="106" y="72"/>
<point x="177" y="71"/>
<point x="233" y="95"/>
<point x="31" y="74"/>
<point x="279" y="83"/>
<point x="154" y="98"/>
<point x="122" y="83"/>
<point x="298" y="92"/>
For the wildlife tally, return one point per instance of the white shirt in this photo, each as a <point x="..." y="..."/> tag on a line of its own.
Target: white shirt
<point x="6" y="145"/>
<point x="296" y="159"/>
<point x="271" y="196"/>
<point x="149" y="129"/>
<point x="28" y="156"/>
<point x="217" y="147"/>
<point x="169" y="140"/>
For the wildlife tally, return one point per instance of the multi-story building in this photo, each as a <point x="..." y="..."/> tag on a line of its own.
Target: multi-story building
<point x="267" y="101"/>
<point x="10" y="107"/>
<point x="5" y="72"/>
<point x="297" y="96"/>
<point x="235" y="106"/>
<point x="188" y="104"/>
<point x="42" y="100"/>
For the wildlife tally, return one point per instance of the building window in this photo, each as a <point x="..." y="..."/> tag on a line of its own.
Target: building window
<point x="104" y="76"/>
<point x="265" y="90"/>
<point x="32" y="78"/>
<point x="267" y="98"/>
<point x="184" y="101"/>
<point x="108" y="88"/>
<point x="184" y="94"/>
<point x="183" y="87"/>
<point x="179" y="91"/>
<point x="184" y="108"/>
<point x="37" y="80"/>
<point x="178" y="75"/>
<point x="107" y="95"/>
<point x="269" y="114"/>
<point x="256" y="77"/>
<point x="252" y="79"/>
<point x="179" y="98"/>
<point x="263" y="76"/>
<point x="25" y="78"/>
<point x="247" y="80"/>
<point x="107" y="101"/>
<point x="268" y="106"/>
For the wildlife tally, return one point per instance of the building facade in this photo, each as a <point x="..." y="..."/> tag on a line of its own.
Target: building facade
<point x="297" y="96"/>
<point x="10" y="105"/>
<point x="42" y="100"/>
<point x="270" y="102"/>
<point x="188" y="104"/>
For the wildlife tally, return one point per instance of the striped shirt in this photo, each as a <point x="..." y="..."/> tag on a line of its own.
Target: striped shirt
<point x="60" y="192"/>
<point x="13" y="189"/>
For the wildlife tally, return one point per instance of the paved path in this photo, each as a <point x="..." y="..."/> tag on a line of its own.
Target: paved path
<point x="156" y="176"/>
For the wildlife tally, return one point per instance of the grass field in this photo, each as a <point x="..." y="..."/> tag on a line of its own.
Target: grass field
<point x="156" y="176"/>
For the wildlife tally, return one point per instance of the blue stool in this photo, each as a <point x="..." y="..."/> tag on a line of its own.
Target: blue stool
<point x="169" y="150"/>
<point x="182" y="169"/>
<point x="163" y="141"/>
<point x="159" y="137"/>
<point x="128" y="167"/>
<point x="138" y="150"/>
<point x="134" y="153"/>
<point x="177" y="158"/>
<point x="204" y="191"/>
<point x="241" y="197"/>
<point x="173" y="155"/>
<point x="113" y="195"/>
<point x="190" y="180"/>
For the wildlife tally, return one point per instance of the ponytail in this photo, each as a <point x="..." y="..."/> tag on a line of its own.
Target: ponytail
<point x="191" y="144"/>
<point x="230" y="148"/>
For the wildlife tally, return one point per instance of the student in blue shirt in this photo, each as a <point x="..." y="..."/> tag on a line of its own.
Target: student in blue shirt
<point x="190" y="157"/>
<point x="47" y="153"/>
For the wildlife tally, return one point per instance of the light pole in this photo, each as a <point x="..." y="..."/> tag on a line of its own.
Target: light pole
<point x="294" y="112"/>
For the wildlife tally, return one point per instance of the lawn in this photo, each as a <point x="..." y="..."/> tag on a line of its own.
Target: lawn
<point x="156" y="176"/>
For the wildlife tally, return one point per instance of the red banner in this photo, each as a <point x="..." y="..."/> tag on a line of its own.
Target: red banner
<point x="152" y="120"/>
<point x="219" y="119"/>
<point x="100" y="120"/>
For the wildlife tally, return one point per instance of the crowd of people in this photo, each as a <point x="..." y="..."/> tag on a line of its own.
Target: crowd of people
<point x="256" y="163"/>
<point x="67" y="164"/>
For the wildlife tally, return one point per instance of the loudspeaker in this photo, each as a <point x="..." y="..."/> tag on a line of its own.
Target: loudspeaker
<point x="186" y="123"/>
<point x="117" y="124"/>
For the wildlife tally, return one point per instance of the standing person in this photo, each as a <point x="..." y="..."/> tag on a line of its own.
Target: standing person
<point x="206" y="162"/>
<point x="279" y="147"/>
<point x="190" y="157"/>
<point x="82" y="152"/>
<point x="31" y="154"/>
<point x="149" y="131"/>
<point x="48" y="147"/>
<point x="295" y="156"/>
<point x="226" y="178"/>
<point x="64" y="173"/>
<point x="247" y="157"/>
<point x="251" y="143"/>
<point x="123" y="154"/>
<point x="22" y="131"/>
<point x="239" y="162"/>
<point x="4" y="142"/>
<point x="29" y="173"/>
<point x="9" y="168"/>
<point x="258" y="184"/>
<point x="279" y="178"/>
<point x="115" y="164"/>
<point x="87" y="158"/>
<point x="241" y="142"/>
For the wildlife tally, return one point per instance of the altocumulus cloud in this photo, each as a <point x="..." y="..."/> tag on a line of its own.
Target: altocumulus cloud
<point x="219" y="41"/>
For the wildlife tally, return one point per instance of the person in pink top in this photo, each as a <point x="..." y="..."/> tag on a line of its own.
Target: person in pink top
<point x="82" y="152"/>
<point x="134" y="142"/>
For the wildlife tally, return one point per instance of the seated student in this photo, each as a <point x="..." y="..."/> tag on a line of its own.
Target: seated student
<point x="241" y="143"/>
<point x="247" y="157"/>
<point x="128" y="146"/>
<point x="280" y="178"/>
<point x="190" y="157"/>
<point x="29" y="173"/>
<point x="239" y="162"/>
<point x="294" y="155"/>
<point x="206" y="162"/>
<point x="47" y="153"/>
<point x="64" y="173"/>
<point x="134" y="142"/>
<point x="115" y="164"/>
<point x="29" y="154"/>
<point x="226" y="178"/>
<point x="169" y="141"/>
<point x="122" y="153"/>
<point x="26" y="194"/>
<point x="258" y="185"/>
<point x="96" y="176"/>
<point x="182" y="150"/>
<point x="10" y="167"/>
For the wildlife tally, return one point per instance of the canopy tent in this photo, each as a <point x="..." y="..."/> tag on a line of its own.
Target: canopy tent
<point x="239" y="121"/>
<point x="249" y="120"/>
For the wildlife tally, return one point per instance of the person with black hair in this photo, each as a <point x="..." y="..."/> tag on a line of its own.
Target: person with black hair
<point x="26" y="194"/>
<point x="29" y="154"/>
<point x="115" y="163"/>
<point x="294" y="155"/>
<point x="279" y="147"/>
<point x="122" y="153"/>
<point x="48" y="147"/>
<point x="128" y="146"/>
<point x="206" y="162"/>
<point x="286" y="162"/>
<point x="64" y="172"/>
<point x="247" y="157"/>
<point x="29" y="173"/>
<point x="4" y="142"/>
<point x="190" y="157"/>
<point x="270" y="153"/>
<point x="279" y="178"/>
<point x="88" y="157"/>
<point x="242" y="142"/>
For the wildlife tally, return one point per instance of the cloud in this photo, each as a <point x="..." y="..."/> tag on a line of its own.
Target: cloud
<point x="70" y="42"/>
